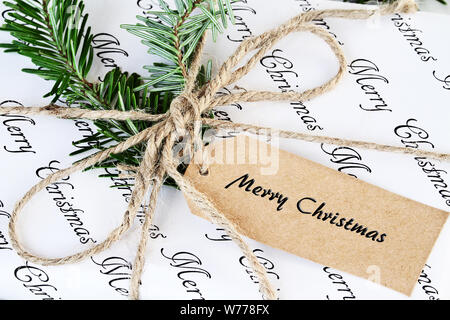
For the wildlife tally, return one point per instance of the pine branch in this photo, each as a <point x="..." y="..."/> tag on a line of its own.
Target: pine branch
<point x="55" y="36"/>
<point x="40" y="36"/>
<point x="175" y="37"/>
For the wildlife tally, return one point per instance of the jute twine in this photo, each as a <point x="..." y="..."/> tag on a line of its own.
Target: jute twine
<point x="185" y="113"/>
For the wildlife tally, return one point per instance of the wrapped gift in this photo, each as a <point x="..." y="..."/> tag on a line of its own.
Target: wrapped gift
<point x="395" y="91"/>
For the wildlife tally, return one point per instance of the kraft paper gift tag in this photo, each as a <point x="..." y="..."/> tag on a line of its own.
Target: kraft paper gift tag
<point x="317" y="213"/>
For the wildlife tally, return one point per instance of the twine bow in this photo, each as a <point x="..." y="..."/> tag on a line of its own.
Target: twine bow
<point x="186" y="114"/>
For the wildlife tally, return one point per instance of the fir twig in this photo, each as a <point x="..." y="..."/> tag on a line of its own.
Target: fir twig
<point x="55" y="35"/>
<point x="175" y="37"/>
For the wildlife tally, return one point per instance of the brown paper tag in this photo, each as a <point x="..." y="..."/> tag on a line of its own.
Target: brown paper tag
<point x="318" y="213"/>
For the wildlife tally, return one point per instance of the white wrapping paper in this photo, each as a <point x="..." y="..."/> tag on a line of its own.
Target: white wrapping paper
<point x="396" y="91"/>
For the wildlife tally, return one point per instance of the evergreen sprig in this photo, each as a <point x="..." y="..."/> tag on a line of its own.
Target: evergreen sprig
<point x="57" y="42"/>
<point x="176" y="35"/>
<point x="56" y="36"/>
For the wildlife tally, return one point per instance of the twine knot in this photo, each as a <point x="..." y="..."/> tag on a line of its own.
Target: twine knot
<point x="185" y="117"/>
<point x="184" y="111"/>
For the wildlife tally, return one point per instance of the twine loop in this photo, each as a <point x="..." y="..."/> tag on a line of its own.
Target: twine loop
<point x="185" y="115"/>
